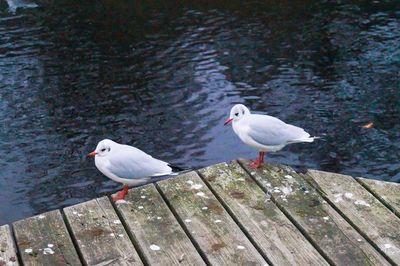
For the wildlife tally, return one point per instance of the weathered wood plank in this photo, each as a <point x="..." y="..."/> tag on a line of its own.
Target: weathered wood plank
<point x="100" y="235"/>
<point x="207" y="222"/>
<point x="276" y="236"/>
<point x="44" y="240"/>
<point x="159" y="235"/>
<point x="8" y="253"/>
<point x="304" y="205"/>
<point x="366" y="212"/>
<point x="388" y="192"/>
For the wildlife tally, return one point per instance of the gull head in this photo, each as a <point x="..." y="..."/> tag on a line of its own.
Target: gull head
<point x="103" y="148"/>
<point x="237" y="112"/>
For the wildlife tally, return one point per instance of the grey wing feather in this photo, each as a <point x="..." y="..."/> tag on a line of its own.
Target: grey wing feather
<point x="271" y="131"/>
<point x="134" y="163"/>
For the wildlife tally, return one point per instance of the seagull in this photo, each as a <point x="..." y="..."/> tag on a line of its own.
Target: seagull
<point x="263" y="132"/>
<point x="128" y="165"/>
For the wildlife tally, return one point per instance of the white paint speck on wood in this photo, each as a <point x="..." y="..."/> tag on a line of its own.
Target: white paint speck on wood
<point x="28" y="250"/>
<point x="201" y="194"/>
<point x="154" y="247"/>
<point x="196" y="186"/>
<point x="362" y="202"/>
<point x="48" y="251"/>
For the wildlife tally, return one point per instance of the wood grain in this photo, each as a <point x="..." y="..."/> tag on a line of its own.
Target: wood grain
<point x="387" y="192"/>
<point x="205" y="219"/>
<point x="8" y="252"/>
<point x="100" y="235"/>
<point x="276" y="236"/>
<point x="161" y="239"/>
<point x="368" y="214"/>
<point x="44" y="240"/>
<point x="333" y="236"/>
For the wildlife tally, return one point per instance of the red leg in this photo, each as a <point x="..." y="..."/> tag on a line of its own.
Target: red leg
<point x="258" y="163"/>
<point x="121" y="194"/>
<point x="262" y="154"/>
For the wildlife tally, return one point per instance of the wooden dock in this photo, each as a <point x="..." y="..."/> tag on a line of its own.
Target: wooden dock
<point x="225" y="214"/>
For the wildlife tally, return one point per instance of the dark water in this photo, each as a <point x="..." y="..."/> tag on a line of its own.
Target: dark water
<point x="162" y="76"/>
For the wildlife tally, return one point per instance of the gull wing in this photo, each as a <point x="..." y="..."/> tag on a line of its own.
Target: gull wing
<point x="130" y="163"/>
<point x="270" y="131"/>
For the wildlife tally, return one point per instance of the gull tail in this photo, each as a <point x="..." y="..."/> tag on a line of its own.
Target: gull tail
<point x="159" y="177"/>
<point x="310" y="139"/>
<point x="307" y="139"/>
<point x="176" y="170"/>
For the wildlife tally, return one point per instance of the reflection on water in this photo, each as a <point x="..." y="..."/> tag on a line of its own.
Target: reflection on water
<point x="13" y="5"/>
<point x="163" y="77"/>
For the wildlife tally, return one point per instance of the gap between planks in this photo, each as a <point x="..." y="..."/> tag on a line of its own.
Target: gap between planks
<point x="100" y="235"/>
<point x="8" y="249"/>
<point x="349" y="247"/>
<point x="339" y="211"/>
<point x="291" y="219"/>
<point x="153" y="225"/>
<point x="189" y="204"/>
<point x="182" y="224"/>
<point x="17" y="250"/>
<point x="377" y="196"/>
<point x="44" y="235"/>
<point x="227" y="209"/>
<point x="74" y="240"/>
<point x="134" y="241"/>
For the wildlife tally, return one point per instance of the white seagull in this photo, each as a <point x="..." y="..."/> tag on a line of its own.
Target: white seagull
<point x="263" y="132"/>
<point x="128" y="165"/>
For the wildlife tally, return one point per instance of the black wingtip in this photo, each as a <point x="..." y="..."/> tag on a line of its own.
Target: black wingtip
<point x="300" y="169"/>
<point x="176" y="168"/>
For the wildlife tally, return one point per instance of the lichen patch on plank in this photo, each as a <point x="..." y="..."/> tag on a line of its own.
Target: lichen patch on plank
<point x="212" y="227"/>
<point x="155" y="224"/>
<point x="100" y="235"/>
<point x="309" y="210"/>
<point x="275" y="234"/>
<point x="45" y="241"/>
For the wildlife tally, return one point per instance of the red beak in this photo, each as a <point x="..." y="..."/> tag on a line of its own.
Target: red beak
<point x="92" y="154"/>
<point x="228" y="121"/>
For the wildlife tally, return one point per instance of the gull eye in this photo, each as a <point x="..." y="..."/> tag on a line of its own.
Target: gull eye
<point x="237" y="114"/>
<point x="103" y="150"/>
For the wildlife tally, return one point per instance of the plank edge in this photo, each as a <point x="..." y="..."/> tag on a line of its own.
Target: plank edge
<point x="72" y="236"/>
<point x="287" y="214"/>
<point x="308" y="177"/>
<point x="231" y="214"/>
<point x="182" y="225"/>
<point x="132" y="238"/>
<point x="387" y="204"/>
<point x="14" y="242"/>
